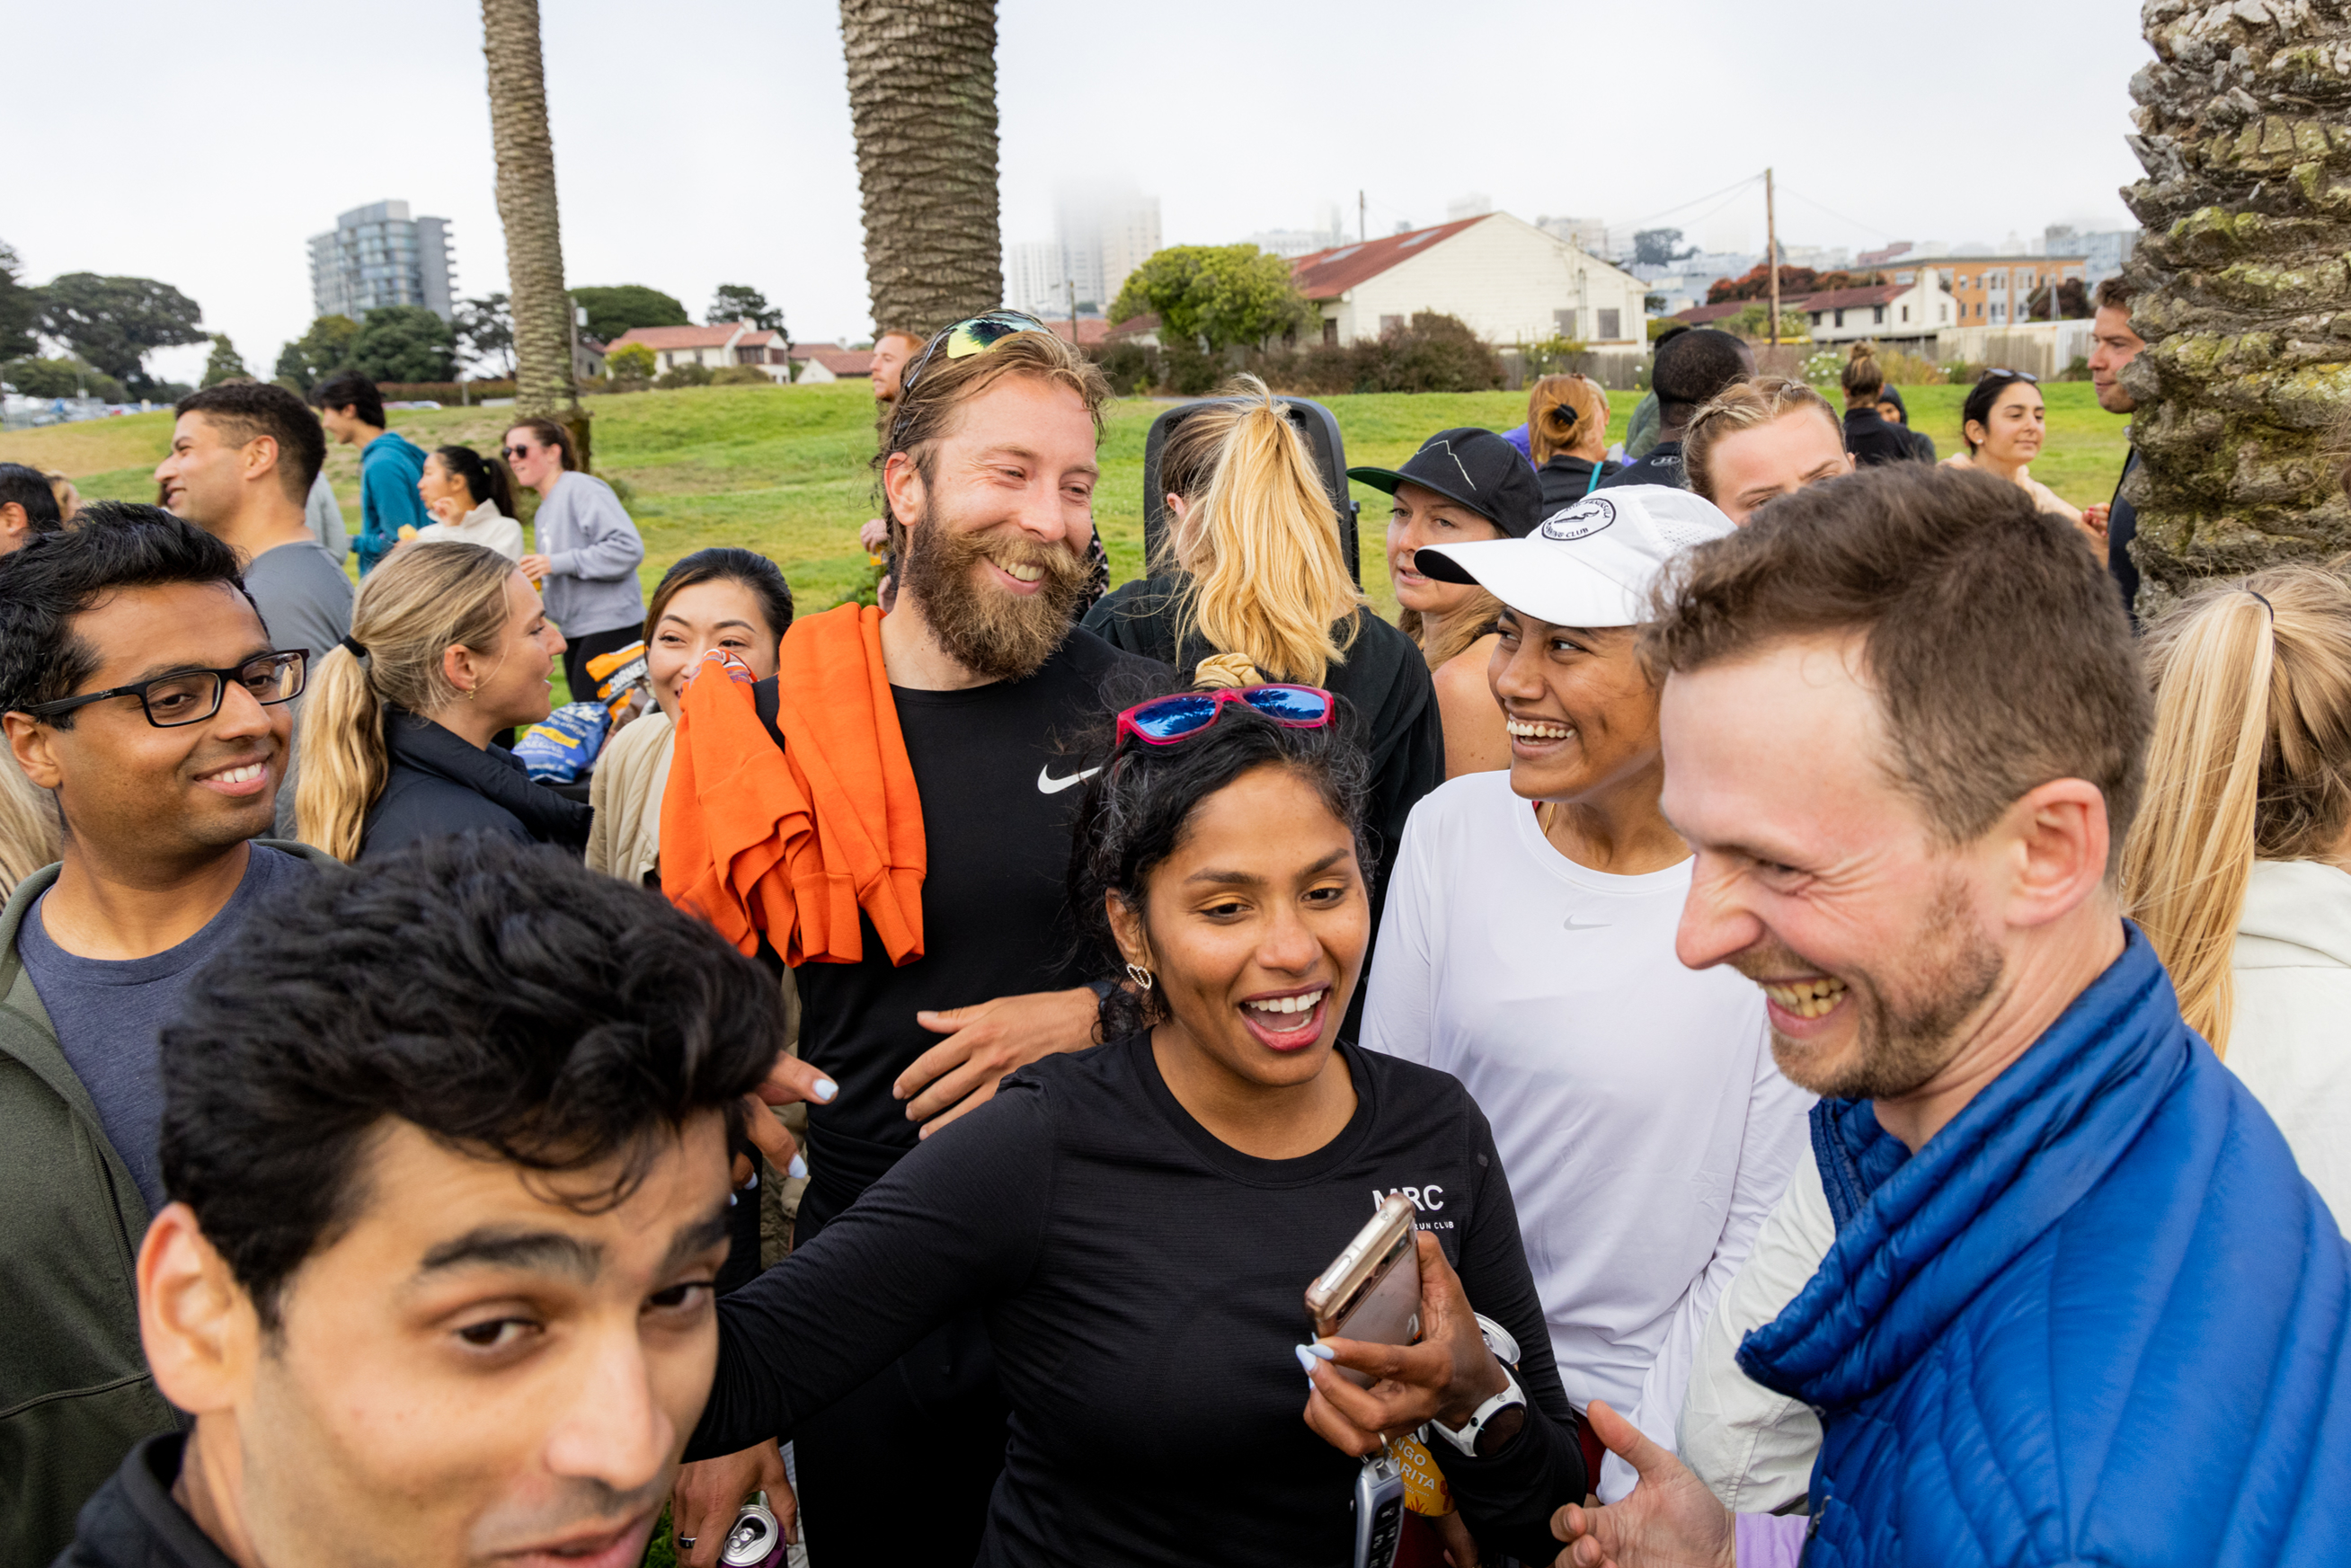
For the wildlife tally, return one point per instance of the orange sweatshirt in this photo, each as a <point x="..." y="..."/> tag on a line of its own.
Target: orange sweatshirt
<point x="793" y="843"/>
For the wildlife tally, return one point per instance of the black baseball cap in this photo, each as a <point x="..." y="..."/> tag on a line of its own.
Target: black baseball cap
<point x="1474" y="467"/>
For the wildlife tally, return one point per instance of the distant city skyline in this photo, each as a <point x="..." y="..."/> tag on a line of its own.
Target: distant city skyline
<point x="377" y="256"/>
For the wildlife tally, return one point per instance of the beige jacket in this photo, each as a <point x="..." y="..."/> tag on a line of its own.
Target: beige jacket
<point x="626" y="790"/>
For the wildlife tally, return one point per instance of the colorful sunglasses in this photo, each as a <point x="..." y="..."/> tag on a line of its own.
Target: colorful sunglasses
<point x="1164" y="721"/>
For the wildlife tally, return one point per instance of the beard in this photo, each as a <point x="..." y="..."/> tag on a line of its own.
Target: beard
<point x="1002" y="636"/>
<point x="1906" y="1018"/>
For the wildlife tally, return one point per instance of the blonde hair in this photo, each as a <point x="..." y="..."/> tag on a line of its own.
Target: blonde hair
<point x="29" y="831"/>
<point x="1476" y="618"/>
<point x="1744" y="405"/>
<point x="2251" y="760"/>
<point x="1264" y="579"/>
<point x="1587" y="410"/>
<point x="411" y="610"/>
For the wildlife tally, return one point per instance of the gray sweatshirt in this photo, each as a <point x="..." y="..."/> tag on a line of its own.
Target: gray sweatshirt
<point x="593" y="551"/>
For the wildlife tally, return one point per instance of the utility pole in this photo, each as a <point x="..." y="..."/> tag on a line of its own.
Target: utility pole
<point x="1363" y="224"/>
<point x="1772" y="252"/>
<point x="1070" y="285"/>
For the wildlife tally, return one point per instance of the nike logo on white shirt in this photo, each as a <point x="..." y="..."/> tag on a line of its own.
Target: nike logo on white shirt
<point x="1575" y="925"/>
<point x="1049" y="785"/>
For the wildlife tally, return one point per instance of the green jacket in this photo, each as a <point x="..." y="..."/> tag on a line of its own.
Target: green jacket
<point x="75" y="1392"/>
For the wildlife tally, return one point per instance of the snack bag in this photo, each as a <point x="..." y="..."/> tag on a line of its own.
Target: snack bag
<point x="617" y="673"/>
<point x="563" y="745"/>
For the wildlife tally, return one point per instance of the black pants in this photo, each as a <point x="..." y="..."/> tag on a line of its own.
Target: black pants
<point x="898" y="1473"/>
<point x="578" y="650"/>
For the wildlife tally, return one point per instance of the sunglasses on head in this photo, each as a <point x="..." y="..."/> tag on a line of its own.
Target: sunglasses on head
<point x="2011" y="376"/>
<point x="1164" y="721"/>
<point x="965" y="339"/>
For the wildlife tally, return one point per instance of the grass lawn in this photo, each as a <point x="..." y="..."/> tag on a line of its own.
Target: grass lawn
<point x="784" y="470"/>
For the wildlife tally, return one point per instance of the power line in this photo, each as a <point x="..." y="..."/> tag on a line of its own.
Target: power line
<point x="1878" y="229"/>
<point x="1730" y="190"/>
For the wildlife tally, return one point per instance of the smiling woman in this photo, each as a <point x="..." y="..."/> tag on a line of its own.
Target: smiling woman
<point x="1140" y="1221"/>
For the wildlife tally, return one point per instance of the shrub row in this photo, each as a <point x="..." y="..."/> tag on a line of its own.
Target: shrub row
<point x="1432" y="352"/>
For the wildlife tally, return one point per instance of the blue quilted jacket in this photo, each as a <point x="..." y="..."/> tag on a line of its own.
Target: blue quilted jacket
<point x="2100" y="1318"/>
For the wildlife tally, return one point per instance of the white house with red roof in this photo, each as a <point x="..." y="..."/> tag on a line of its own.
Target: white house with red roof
<point x="1891" y="313"/>
<point x="727" y="343"/>
<point x="1510" y="281"/>
<point x="817" y="363"/>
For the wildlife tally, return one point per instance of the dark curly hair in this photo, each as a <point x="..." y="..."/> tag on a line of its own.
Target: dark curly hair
<point x="537" y="1013"/>
<point x="1137" y="809"/>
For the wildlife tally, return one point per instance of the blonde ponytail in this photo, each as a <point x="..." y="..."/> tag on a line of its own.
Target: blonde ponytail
<point x="2250" y="760"/>
<point x="410" y="612"/>
<point x="1266" y="579"/>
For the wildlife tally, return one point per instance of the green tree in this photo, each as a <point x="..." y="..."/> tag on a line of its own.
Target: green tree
<point x="60" y="378"/>
<point x="317" y="354"/>
<point x="1221" y="296"/>
<point x="741" y="302"/>
<point x="613" y="311"/>
<point x="486" y="332"/>
<point x="224" y="365"/>
<point x="20" y="308"/>
<point x="116" y="322"/>
<point x="630" y="362"/>
<point x="404" y="343"/>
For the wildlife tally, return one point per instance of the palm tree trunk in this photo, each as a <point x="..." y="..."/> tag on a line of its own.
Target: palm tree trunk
<point x="922" y="95"/>
<point x="2244" y="123"/>
<point x="540" y="308"/>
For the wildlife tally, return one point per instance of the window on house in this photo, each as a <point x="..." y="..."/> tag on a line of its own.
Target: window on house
<point x="2000" y="312"/>
<point x="1564" y="322"/>
<point x="1391" y="324"/>
<point x="1331" y="330"/>
<point x="1816" y="318"/>
<point x="1839" y="318"/>
<point x="1609" y="320"/>
<point x="1905" y="312"/>
<point x="1877" y="315"/>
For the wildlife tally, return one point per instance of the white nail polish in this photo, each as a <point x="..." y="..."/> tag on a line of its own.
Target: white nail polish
<point x="825" y="1090"/>
<point x="798" y="1169"/>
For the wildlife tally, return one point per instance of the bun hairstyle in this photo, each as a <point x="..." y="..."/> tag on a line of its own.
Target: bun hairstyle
<point x="1138" y="806"/>
<point x="1863" y="379"/>
<point x="2251" y="760"/>
<point x="1263" y="578"/>
<point x="1561" y="410"/>
<point x="485" y="479"/>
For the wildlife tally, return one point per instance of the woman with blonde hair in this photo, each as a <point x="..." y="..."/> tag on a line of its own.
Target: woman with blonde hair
<point x="2238" y="865"/>
<point x="1250" y="588"/>
<point x="1567" y="437"/>
<point x="449" y="645"/>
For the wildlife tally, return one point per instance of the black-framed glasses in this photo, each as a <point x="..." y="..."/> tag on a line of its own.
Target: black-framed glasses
<point x="965" y="339"/>
<point x="192" y="697"/>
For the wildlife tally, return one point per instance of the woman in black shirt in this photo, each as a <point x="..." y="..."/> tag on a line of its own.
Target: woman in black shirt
<point x="1867" y="436"/>
<point x="1138" y="1223"/>
<point x="1567" y="439"/>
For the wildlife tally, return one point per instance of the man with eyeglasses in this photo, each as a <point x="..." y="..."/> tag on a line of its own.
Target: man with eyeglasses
<point x="140" y="687"/>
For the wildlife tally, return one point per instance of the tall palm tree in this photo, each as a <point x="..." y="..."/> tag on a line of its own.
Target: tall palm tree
<point x="922" y="95"/>
<point x="2244" y="123"/>
<point x="540" y="310"/>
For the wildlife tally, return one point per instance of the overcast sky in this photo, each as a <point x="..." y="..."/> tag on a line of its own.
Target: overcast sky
<point x="701" y="142"/>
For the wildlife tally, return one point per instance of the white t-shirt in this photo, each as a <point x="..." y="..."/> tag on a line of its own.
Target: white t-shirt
<point x="1643" y="1126"/>
<point x="485" y="525"/>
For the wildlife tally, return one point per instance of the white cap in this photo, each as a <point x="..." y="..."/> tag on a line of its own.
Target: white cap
<point x="1591" y="563"/>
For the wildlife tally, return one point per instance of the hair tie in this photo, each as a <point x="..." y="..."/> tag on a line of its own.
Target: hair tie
<point x="353" y="648"/>
<point x="2265" y="604"/>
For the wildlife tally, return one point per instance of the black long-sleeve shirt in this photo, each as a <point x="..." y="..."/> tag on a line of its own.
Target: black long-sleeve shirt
<point x="1144" y="1286"/>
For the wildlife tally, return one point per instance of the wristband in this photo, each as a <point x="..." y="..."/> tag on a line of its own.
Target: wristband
<point x="1465" y="1436"/>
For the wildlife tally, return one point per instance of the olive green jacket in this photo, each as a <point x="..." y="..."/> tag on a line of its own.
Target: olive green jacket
<point x="75" y="1393"/>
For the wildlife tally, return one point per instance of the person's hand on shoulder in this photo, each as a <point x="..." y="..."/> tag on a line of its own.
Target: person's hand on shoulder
<point x="1669" y="1520"/>
<point x="984" y="1042"/>
<point x="874" y="535"/>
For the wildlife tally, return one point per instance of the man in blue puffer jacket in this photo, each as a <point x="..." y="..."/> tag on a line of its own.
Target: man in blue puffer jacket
<point x="2082" y="1308"/>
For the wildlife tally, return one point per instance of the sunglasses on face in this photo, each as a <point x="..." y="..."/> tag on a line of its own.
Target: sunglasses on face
<point x="511" y="453"/>
<point x="1164" y="721"/>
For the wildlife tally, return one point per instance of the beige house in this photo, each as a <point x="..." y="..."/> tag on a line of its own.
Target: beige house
<point x="729" y="343"/>
<point x="1510" y="281"/>
<point x="817" y="363"/>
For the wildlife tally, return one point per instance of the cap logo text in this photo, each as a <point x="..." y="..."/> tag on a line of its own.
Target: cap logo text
<point x="1582" y="521"/>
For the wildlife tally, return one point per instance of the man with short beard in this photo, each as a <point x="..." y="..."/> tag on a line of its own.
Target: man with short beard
<point x="987" y="465"/>
<point x="2071" y="1251"/>
<point x="2118" y="344"/>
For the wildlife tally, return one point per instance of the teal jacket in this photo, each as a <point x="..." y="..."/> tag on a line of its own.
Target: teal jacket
<point x="75" y="1393"/>
<point x="389" y="467"/>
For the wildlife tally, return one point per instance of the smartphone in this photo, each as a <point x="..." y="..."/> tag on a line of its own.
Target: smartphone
<point x="1371" y="1291"/>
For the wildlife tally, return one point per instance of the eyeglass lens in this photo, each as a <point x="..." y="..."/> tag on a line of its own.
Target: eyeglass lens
<point x="195" y="696"/>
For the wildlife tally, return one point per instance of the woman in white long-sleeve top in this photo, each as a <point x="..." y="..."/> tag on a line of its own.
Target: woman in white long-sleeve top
<point x="1528" y="949"/>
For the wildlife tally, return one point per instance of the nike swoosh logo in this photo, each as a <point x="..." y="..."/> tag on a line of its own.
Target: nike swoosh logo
<point x="1049" y="785"/>
<point x="1575" y="925"/>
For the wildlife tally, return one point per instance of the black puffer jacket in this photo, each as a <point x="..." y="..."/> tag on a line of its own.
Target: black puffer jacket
<point x="441" y="784"/>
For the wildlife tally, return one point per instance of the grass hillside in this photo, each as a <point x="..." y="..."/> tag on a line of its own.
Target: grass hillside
<point x="784" y="470"/>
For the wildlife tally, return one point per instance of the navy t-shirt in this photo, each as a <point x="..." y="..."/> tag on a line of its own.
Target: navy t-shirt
<point x="109" y="1014"/>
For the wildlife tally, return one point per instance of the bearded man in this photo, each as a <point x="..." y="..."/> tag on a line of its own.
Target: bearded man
<point x="987" y="465"/>
<point x="2079" y="1305"/>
